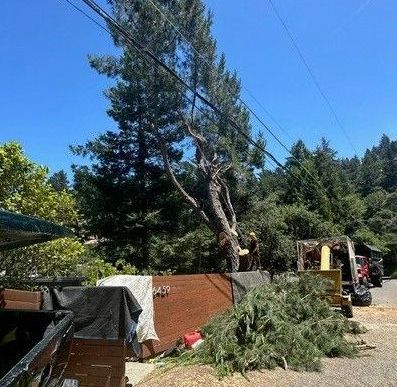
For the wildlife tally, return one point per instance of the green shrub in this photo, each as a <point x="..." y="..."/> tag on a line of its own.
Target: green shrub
<point x="65" y="257"/>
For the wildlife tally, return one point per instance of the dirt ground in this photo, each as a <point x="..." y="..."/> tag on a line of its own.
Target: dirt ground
<point x="374" y="367"/>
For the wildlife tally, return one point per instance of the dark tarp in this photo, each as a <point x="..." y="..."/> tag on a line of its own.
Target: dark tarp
<point x="244" y="281"/>
<point x="18" y="230"/>
<point x="100" y="312"/>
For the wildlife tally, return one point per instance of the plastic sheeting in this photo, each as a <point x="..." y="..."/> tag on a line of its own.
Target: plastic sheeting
<point x="100" y="312"/>
<point x="18" y="230"/>
<point x="142" y="289"/>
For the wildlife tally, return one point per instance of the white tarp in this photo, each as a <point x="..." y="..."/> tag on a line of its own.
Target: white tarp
<point x="141" y="286"/>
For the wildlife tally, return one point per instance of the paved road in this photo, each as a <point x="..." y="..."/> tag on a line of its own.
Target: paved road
<point x="375" y="367"/>
<point x="387" y="295"/>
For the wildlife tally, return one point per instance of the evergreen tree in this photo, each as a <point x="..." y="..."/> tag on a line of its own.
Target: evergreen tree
<point x="154" y="119"/>
<point x="59" y="181"/>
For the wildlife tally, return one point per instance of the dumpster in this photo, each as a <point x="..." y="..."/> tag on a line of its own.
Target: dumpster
<point x="34" y="344"/>
<point x="34" y="347"/>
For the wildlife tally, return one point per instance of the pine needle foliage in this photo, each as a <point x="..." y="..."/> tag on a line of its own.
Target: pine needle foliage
<point x="286" y="323"/>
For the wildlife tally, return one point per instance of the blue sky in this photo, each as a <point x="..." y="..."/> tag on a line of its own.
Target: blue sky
<point x="50" y="98"/>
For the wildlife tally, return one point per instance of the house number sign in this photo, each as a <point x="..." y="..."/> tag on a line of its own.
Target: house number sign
<point x="161" y="291"/>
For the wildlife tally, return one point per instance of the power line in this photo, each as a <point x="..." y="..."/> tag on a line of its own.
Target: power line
<point x="88" y="16"/>
<point x="270" y="158"/>
<point x="143" y="50"/>
<point x="178" y="30"/>
<point x="249" y="139"/>
<point x="311" y="74"/>
<point x="210" y="66"/>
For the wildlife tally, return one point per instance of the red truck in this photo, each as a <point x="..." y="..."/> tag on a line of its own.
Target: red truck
<point x="375" y="261"/>
<point x="363" y="269"/>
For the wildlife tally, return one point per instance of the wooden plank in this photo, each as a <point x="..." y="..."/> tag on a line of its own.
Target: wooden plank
<point x="99" y="342"/>
<point x="100" y="370"/>
<point x="21" y="305"/>
<point x="97" y="350"/>
<point x="22" y="295"/>
<point x="97" y="360"/>
<point x="81" y="370"/>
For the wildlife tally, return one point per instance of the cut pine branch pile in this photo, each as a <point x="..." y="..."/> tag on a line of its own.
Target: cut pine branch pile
<point x="285" y="323"/>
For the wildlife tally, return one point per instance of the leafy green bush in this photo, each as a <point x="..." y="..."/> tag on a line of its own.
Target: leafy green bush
<point x="65" y="257"/>
<point x="285" y="323"/>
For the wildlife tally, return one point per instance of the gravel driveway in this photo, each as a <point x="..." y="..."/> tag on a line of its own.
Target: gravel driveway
<point x="375" y="367"/>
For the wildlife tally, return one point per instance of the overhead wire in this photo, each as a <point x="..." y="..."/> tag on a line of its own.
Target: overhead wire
<point x="140" y="47"/>
<point x="77" y="8"/>
<point x="210" y="66"/>
<point x="311" y="74"/>
<point x="253" y="113"/>
<point x="144" y="50"/>
<point x="269" y="159"/>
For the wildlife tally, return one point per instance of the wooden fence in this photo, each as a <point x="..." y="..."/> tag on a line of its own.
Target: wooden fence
<point x="184" y="303"/>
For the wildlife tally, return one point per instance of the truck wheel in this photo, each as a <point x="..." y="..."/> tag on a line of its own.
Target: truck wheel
<point x="362" y="296"/>
<point x="377" y="281"/>
<point x="347" y="310"/>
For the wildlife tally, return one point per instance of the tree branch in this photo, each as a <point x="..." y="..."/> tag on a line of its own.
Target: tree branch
<point x="189" y="199"/>
<point x="201" y="158"/>
<point x="229" y="205"/>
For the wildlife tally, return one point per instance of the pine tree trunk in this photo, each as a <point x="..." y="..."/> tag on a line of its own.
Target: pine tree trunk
<point x="214" y="215"/>
<point x="227" y="237"/>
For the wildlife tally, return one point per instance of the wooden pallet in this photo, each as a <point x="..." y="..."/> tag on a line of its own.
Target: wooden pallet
<point x="97" y="363"/>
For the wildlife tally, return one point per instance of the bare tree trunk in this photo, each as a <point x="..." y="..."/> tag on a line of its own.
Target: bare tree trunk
<point x="225" y="232"/>
<point x="219" y="214"/>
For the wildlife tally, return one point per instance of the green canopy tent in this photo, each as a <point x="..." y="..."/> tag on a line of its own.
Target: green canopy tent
<point x="18" y="230"/>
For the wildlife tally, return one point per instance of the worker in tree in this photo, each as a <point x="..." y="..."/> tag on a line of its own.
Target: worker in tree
<point x="255" y="263"/>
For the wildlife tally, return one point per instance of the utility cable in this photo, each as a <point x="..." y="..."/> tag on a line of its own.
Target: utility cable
<point x="311" y="74"/>
<point x="163" y="13"/>
<point x="210" y="66"/>
<point x="137" y="45"/>
<point x="143" y="50"/>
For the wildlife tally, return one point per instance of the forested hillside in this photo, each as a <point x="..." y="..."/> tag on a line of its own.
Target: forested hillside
<point x="177" y="178"/>
<point x="356" y="197"/>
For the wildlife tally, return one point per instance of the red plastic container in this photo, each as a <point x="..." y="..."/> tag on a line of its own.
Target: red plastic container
<point x="190" y="338"/>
